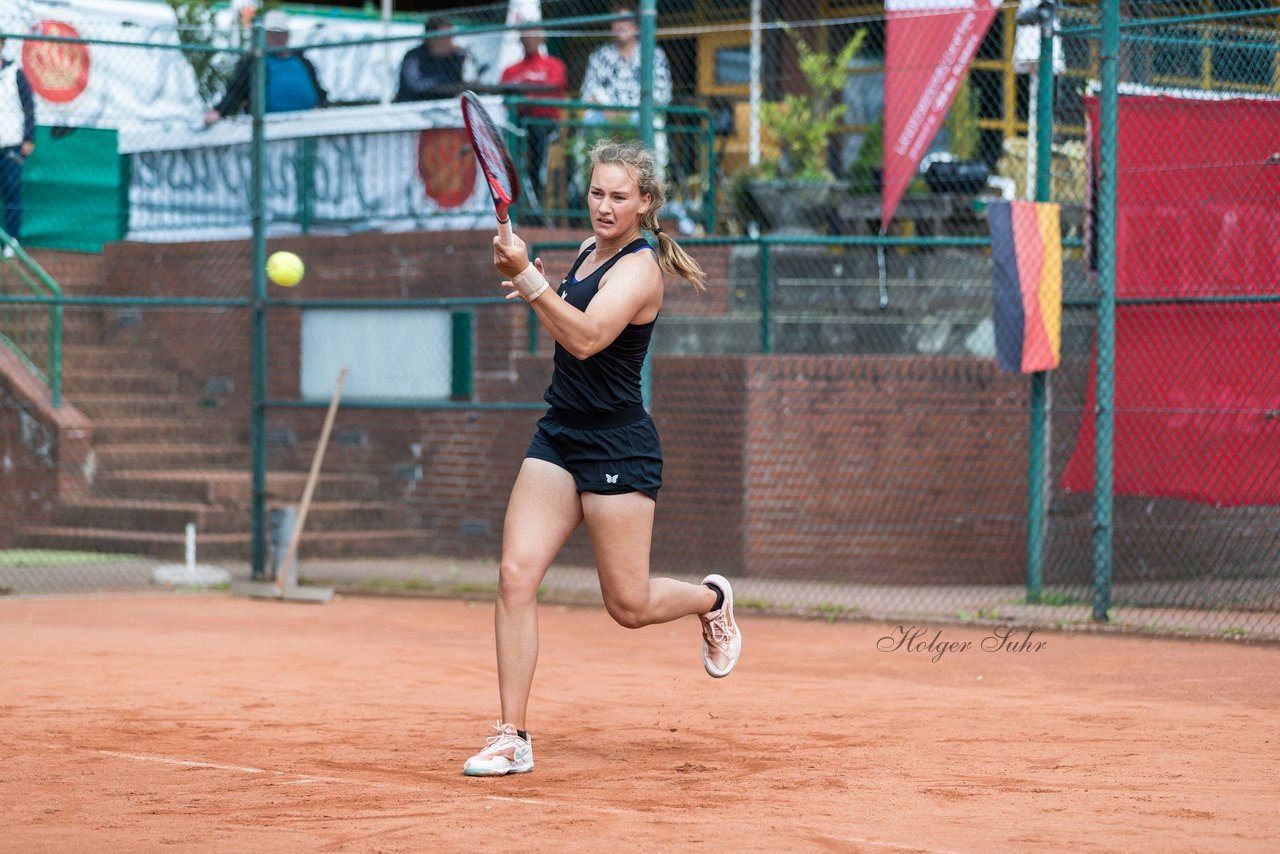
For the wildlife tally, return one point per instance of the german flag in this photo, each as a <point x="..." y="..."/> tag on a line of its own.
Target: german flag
<point x="1026" y="262"/>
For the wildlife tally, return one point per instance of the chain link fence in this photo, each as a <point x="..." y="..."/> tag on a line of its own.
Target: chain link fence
<point x="837" y="432"/>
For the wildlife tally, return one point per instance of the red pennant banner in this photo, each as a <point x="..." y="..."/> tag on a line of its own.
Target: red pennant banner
<point x="929" y="45"/>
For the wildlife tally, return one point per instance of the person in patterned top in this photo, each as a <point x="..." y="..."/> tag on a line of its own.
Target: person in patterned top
<point x="613" y="70"/>
<point x="613" y="78"/>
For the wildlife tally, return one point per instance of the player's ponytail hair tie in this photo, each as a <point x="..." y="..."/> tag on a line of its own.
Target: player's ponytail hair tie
<point x="657" y="230"/>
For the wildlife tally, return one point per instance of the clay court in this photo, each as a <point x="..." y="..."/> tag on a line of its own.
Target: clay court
<point x="212" y="723"/>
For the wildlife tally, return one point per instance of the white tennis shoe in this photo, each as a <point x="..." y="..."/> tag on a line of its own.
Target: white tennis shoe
<point x="504" y="753"/>
<point x="721" y="638"/>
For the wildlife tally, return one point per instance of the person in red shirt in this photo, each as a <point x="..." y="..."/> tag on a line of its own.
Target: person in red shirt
<point x="545" y="77"/>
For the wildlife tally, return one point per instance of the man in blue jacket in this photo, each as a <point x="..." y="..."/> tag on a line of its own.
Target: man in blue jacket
<point x="292" y="83"/>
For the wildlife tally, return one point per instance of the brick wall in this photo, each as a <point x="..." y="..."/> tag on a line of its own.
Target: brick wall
<point x="45" y="453"/>
<point x="700" y="405"/>
<point x="879" y="468"/>
<point x="886" y="469"/>
<point x="73" y="271"/>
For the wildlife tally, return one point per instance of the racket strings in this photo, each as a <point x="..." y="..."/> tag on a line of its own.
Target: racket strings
<point x="490" y="150"/>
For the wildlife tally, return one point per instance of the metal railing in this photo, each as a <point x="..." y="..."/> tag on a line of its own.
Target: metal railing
<point x="36" y="338"/>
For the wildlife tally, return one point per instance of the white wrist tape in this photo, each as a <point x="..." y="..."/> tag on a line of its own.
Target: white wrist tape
<point x="530" y="283"/>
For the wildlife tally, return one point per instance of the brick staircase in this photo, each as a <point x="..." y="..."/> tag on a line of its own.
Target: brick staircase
<point x="163" y="459"/>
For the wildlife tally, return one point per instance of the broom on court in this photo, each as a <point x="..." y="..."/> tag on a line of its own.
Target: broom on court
<point x="285" y="588"/>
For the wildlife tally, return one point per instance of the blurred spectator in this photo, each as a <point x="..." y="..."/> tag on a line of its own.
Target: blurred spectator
<point x="613" y="77"/>
<point x="245" y="11"/>
<point x="613" y="70"/>
<point x="292" y="83"/>
<point x="17" y="139"/>
<point x="545" y="77"/>
<point x="433" y="69"/>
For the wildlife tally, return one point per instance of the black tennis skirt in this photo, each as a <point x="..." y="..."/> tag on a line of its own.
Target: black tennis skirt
<point x="604" y="456"/>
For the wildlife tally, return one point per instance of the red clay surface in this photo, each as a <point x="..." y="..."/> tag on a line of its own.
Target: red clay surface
<point x="209" y="723"/>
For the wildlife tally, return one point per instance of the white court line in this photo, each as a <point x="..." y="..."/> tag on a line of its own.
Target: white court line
<point x="309" y="778"/>
<point x="312" y="778"/>
<point x="296" y="778"/>
<point x="244" y="769"/>
<point x="187" y="763"/>
<point x="891" y="845"/>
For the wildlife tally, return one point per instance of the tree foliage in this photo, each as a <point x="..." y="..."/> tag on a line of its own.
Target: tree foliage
<point x="197" y="28"/>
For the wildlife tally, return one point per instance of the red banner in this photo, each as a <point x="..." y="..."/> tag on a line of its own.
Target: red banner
<point x="928" y="47"/>
<point x="1197" y="391"/>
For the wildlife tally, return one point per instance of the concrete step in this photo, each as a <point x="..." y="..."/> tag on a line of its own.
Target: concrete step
<point x="923" y="263"/>
<point x="119" y="380"/>
<point x="114" y="431"/>
<point x="159" y="455"/>
<point x="169" y="516"/>
<point x="816" y="332"/>
<point x="99" y="405"/>
<point x="232" y="546"/>
<point x="213" y="486"/>
<point x="163" y="546"/>
<point x="679" y="335"/>
<point x="76" y="356"/>
<point x="135" y="515"/>
<point x="862" y="295"/>
<point x="887" y="335"/>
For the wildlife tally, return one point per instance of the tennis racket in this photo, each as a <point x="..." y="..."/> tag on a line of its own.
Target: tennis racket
<point x="494" y="159"/>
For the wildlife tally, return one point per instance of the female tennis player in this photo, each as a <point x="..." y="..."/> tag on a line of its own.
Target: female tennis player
<point x="595" y="457"/>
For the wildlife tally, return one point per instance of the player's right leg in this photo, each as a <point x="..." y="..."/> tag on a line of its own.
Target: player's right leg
<point x="542" y="513"/>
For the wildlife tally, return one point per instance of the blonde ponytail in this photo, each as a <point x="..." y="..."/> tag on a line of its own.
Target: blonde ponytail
<point x="676" y="262"/>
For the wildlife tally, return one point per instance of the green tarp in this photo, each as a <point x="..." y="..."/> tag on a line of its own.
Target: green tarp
<point x="73" y="190"/>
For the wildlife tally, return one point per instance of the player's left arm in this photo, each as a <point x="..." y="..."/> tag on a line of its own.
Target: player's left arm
<point x="631" y="291"/>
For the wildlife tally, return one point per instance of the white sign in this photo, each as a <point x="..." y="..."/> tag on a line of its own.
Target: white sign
<point x="392" y="167"/>
<point x="405" y="354"/>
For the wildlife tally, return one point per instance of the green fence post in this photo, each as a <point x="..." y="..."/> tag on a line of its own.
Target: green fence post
<point x="648" y="38"/>
<point x="1037" y="474"/>
<point x="531" y="327"/>
<point x="709" y="195"/>
<point x="55" y="351"/>
<point x="463" y="379"/>
<point x="258" y="351"/>
<point x="766" y="335"/>
<point x="1104" y="417"/>
<point x="306" y="183"/>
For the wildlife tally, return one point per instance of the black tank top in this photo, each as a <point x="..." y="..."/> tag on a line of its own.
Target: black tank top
<point x="609" y="381"/>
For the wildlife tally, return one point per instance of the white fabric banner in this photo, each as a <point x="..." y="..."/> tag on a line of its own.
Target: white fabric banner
<point x="387" y="166"/>
<point x="391" y="167"/>
<point x="119" y="85"/>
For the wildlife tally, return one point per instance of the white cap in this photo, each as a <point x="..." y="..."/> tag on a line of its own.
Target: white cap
<point x="275" y="20"/>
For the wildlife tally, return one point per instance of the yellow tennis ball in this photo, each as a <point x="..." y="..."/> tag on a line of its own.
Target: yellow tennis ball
<point x="285" y="269"/>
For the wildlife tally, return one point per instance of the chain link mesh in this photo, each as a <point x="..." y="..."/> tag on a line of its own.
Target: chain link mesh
<point x="840" y="456"/>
